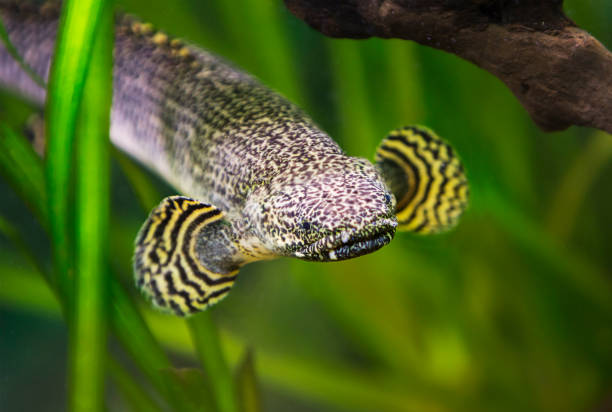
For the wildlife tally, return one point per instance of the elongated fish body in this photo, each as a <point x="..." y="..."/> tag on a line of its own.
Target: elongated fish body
<point x="198" y="122"/>
<point x="262" y="179"/>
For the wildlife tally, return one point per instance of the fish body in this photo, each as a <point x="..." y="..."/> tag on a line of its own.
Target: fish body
<point x="262" y="179"/>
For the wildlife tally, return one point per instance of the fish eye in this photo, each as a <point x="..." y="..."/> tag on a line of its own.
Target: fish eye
<point x="387" y="198"/>
<point x="305" y="225"/>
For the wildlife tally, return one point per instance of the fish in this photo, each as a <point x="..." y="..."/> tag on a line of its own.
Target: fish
<point x="257" y="178"/>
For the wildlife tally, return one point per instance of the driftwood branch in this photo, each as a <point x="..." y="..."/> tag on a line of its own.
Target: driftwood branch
<point x="560" y="73"/>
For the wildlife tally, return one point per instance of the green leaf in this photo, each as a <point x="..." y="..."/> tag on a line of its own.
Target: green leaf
<point x="78" y="24"/>
<point x="130" y="388"/>
<point x="247" y="385"/>
<point x="208" y="347"/>
<point x="15" y="54"/>
<point x="23" y="289"/>
<point x="146" y="192"/>
<point x="354" y="103"/>
<point x="88" y="332"/>
<point x="22" y="168"/>
<point x="573" y="189"/>
<point x="135" y="336"/>
<point x="188" y="389"/>
<point x="11" y="233"/>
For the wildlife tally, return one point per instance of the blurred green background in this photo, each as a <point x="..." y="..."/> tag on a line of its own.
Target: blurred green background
<point x="510" y="311"/>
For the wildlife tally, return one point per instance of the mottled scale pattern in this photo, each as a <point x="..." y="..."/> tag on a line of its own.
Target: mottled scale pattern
<point x="165" y="264"/>
<point x="275" y="183"/>
<point x="436" y="191"/>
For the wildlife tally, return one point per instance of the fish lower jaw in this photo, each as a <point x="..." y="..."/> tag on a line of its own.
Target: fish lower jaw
<point x="347" y="245"/>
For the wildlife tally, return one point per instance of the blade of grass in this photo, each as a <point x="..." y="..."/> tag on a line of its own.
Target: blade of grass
<point x="15" y="54"/>
<point x="273" y="48"/>
<point x="77" y="25"/>
<point x="247" y="385"/>
<point x="574" y="187"/>
<point x="233" y="47"/>
<point x="23" y="170"/>
<point x="208" y="347"/>
<point x="404" y="86"/>
<point x="129" y="388"/>
<point x="145" y="191"/>
<point x="581" y="274"/>
<point x="188" y="390"/>
<point x="330" y="384"/>
<point x="41" y="301"/>
<point x="338" y="384"/>
<point x="128" y="325"/>
<point x="355" y="118"/>
<point x="88" y="331"/>
<point x="136" y="337"/>
<point x="39" y="298"/>
<point x="11" y="233"/>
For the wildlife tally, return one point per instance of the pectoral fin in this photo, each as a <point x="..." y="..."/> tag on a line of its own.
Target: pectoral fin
<point x="185" y="260"/>
<point x="426" y="177"/>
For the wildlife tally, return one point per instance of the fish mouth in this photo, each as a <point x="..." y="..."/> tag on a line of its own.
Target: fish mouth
<point x="349" y="244"/>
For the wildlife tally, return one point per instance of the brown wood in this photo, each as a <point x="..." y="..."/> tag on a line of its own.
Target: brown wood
<point x="560" y="73"/>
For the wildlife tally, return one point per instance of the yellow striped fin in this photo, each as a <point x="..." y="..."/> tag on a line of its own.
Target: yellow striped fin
<point x="166" y="263"/>
<point x="426" y="177"/>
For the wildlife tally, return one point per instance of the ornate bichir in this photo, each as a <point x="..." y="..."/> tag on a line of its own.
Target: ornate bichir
<point x="263" y="180"/>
